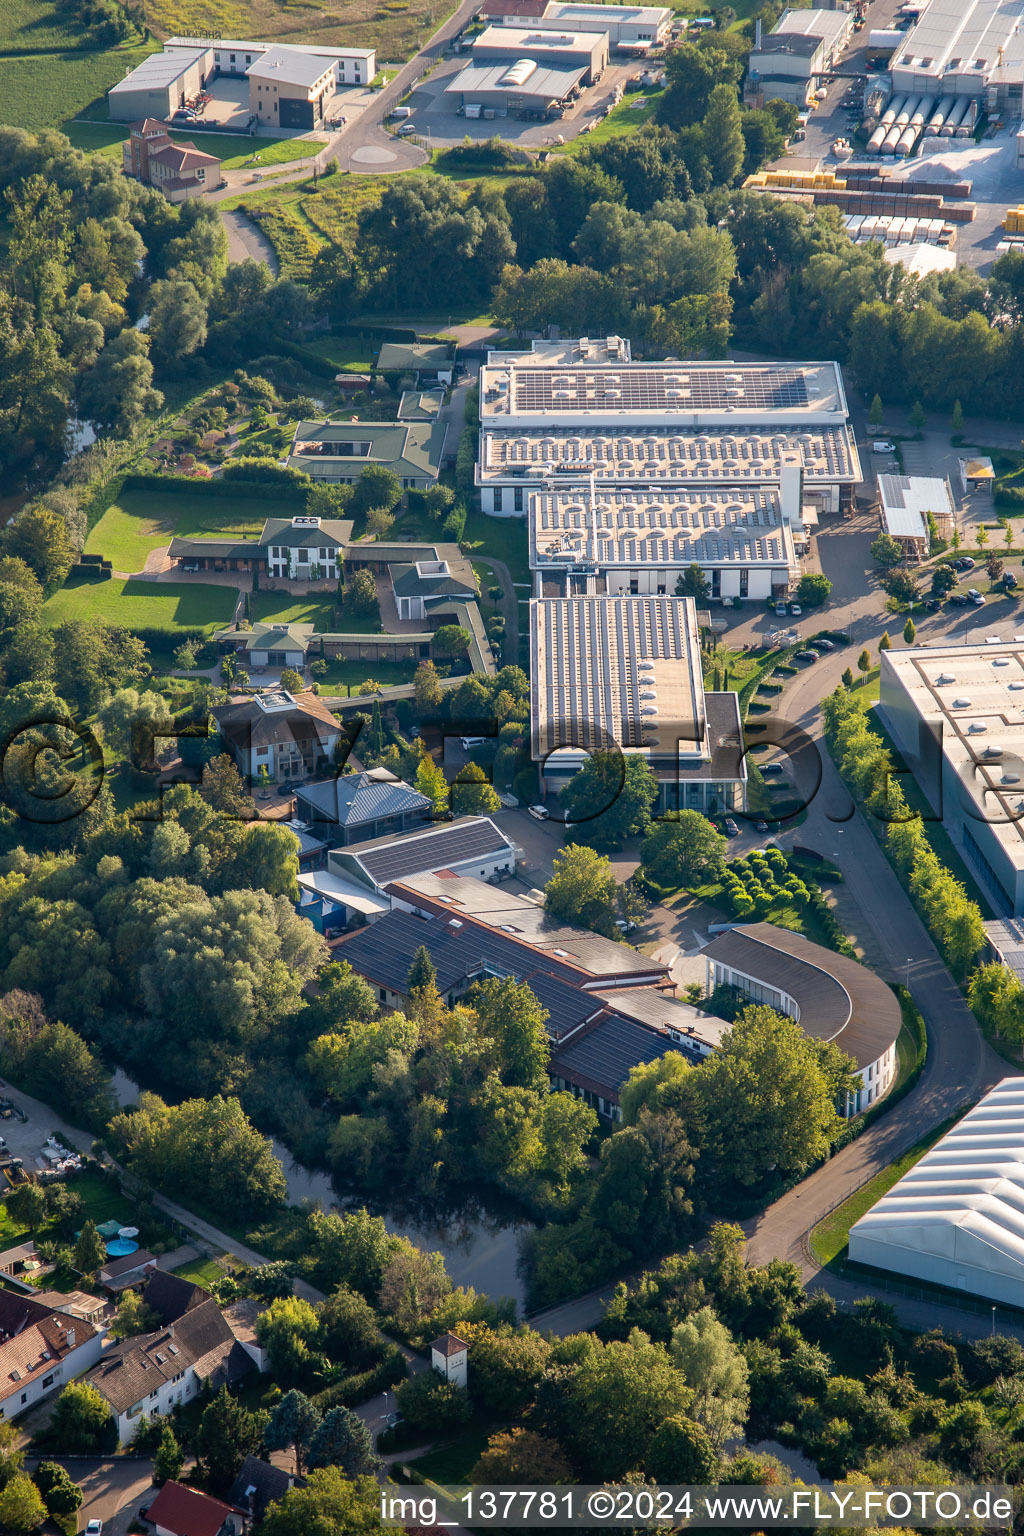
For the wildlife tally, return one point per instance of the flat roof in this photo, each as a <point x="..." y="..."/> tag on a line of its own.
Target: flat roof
<point x="393" y="858"/>
<point x="527" y="387"/>
<point x="828" y="25"/>
<point x="244" y="45"/>
<point x="658" y="528"/>
<point x="531" y="42"/>
<point x="291" y="65"/>
<point x="980" y="705"/>
<point x="617" y="670"/>
<point x="837" y="999"/>
<point x="544" y="84"/>
<point x="642" y="15"/>
<point x="907" y="500"/>
<point x="972" y="40"/>
<point x="349" y="893"/>
<point x="827" y="454"/>
<point x="160" y="69"/>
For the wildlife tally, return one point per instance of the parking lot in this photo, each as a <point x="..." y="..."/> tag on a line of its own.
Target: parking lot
<point x="434" y="117"/>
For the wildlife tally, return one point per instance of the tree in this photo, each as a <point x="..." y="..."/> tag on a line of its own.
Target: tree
<point x="421" y="972"/>
<point x="90" y="1250"/>
<point x="361" y="596"/>
<point x="583" y="889"/>
<point x="723" y="135"/>
<point x="943" y="581"/>
<point x="619" y="1396"/>
<point x="377" y="486"/>
<point x="228" y="1432"/>
<point x="886" y="550"/>
<point x="413" y="1284"/>
<point x="715" y="1370"/>
<point x="81" y="1420"/>
<point x="876" y="413"/>
<point x="21" y="1505"/>
<point x="691" y="74"/>
<point x="343" y="1440"/>
<point x="426" y="687"/>
<point x="430" y="781"/>
<point x="289" y="1332"/>
<point x="848" y="676"/>
<point x="899" y="585"/>
<point x="177" y="322"/>
<point x="682" y="1452"/>
<point x="994" y="568"/>
<point x="513" y="1018"/>
<point x="117" y="393"/>
<point x="982" y="536"/>
<point x="609" y="799"/>
<point x="693" y="583"/>
<point x="958" y="416"/>
<point x="349" y="1332"/>
<point x="329" y="1504"/>
<point x="438" y="501"/>
<point x="909" y="633"/>
<point x="917" y="417"/>
<point x="473" y="794"/>
<point x="128" y="719"/>
<point x="292" y="1426"/>
<point x="884" y="644"/>
<point x="429" y="1402"/>
<point x="271" y="1282"/>
<point x="685" y="852"/>
<point x="813" y="589"/>
<point x="291" y="681"/>
<point x="133" y="1316"/>
<point x="60" y="1493"/>
<point x="521" y="1456"/>
<point x="38" y="536"/>
<point x="169" y="1458"/>
<point x="452" y="640"/>
<point x="26" y="1204"/>
<point x="765" y="1102"/>
<point x="375" y="734"/>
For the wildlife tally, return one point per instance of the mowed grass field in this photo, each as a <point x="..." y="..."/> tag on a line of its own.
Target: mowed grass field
<point x="142" y="604"/>
<point x="141" y="521"/>
<point x="232" y="150"/>
<point x="46" y="89"/>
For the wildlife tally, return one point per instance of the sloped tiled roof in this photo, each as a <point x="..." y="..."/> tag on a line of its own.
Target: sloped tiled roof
<point x="360" y="797"/>
<point x="200" y="1339"/>
<point x="187" y="1512"/>
<point x="267" y="1482"/>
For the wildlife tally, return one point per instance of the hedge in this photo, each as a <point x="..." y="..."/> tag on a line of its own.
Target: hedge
<point x="313" y="363"/>
<point x="375" y="332"/>
<point x="1009" y="497"/>
<point x="283" y="488"/>
<point x="356" y="1389"/>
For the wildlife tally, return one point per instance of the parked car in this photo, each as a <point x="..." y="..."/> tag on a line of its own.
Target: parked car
<point x="1009" y="580"/>
<point x="405" y="130"/>
<point x="731" y="829"/>
<point x="94" y="1528"/>
<point x="795" y="610"/>
<point x="975" y="597"/>
<point x="883" y="446"/>
<point x="780" y="609"/>
<point x="965" y="563"/>
<point x="771" y="768"/>
<point x="933" y="605"/>
<point x="468" y="742"/>
<point x="821" y="644"/>
<point x="807" y="656"/>
<point x="539" y="812"/>
<point x="760" y="826"/>
<point x="959" y="599"/>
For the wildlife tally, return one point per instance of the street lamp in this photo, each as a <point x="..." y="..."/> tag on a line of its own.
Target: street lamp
<point x="993" y="1322"/>
<point x="908" y="973"/>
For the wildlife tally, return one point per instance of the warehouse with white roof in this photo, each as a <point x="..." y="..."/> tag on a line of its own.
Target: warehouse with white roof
<point x="577" y="408"/>
<point x="906" y="501"/>
<point x="957" y="1218"/>
<point x="956" y="713"/>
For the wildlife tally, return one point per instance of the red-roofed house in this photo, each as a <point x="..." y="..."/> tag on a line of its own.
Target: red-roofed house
<point x="181" y="1511"/>
<point x="177" y="170"/>
<point x="40" y="1351"/>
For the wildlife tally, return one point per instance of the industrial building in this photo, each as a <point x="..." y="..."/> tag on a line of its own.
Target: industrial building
<point x="287" y="85"/>
<point x="546" y="47"/>
<point x="630" y="28"/>
<point x="906" y="501"/>
<point x="967" y="50"/>
<point x="803" y="46"/>
<point x="582" y="408"/>
<point x="639" y="540"/>
<point x="956" y="713"/>
<point x="830" y="996"/>
<point x="956" y="1219"/>
<point x="625" y="672"/>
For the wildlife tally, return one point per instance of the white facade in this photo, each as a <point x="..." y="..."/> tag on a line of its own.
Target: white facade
<point x="955" y="712"/>
<point x="27" y="1383"/>
<point x="957" y="1218"/>
<point x="633" y="28"/>
<point x="965" y="48"/>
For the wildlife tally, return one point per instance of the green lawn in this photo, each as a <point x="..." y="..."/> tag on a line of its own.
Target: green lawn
<point x="347" y="353"/>
<point x="43" y="90"/>
<point x="345" y="674"/>
<point x="829" y="1238"/>
<point x="206" y="1272"/>
<point x="283" y="608"/>
<point x="503" y="537"/>
<point x="140" y="521"/>
<point x="451" y="1465"/>
<point x="102" y="1200"/>
<point x="232" y="150"/>
<point x="142" y="604"/>
<point x="632" y="112"/>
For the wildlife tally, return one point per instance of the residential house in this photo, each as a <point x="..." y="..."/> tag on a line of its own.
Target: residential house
<point x="41" y="1350"/>
<point x="339" y="451"/>
<point x="278" y="736"/>
<point x="305" y="548"/>
<point x="241" y="1317"/>
<point x="428" y="585"/>
<point x="157" y="1371"/>
<point x="123" y="1273"/>
<point x="181" y="1511"/>
<point x="16" y="1261"/>
<point x="426" y="360"/>
<point x="258" y="1485"/>
<point x="275" y="645"/>
<point x="353" y="807"/>
<point x="176" y="168"/>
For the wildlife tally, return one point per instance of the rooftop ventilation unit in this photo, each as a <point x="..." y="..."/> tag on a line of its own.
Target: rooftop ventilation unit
<point x="1010" y="778"/>
<point x="961" y="703"/>
<point x="977" y="728"/>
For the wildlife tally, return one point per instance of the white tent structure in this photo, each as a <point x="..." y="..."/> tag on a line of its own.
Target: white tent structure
<point x="957" y="1218"/>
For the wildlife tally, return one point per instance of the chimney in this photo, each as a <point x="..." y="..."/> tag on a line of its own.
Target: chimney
<point x="791" y="479"/>
<point x="70" y="1337"/>
<point x="757" y="33"/>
